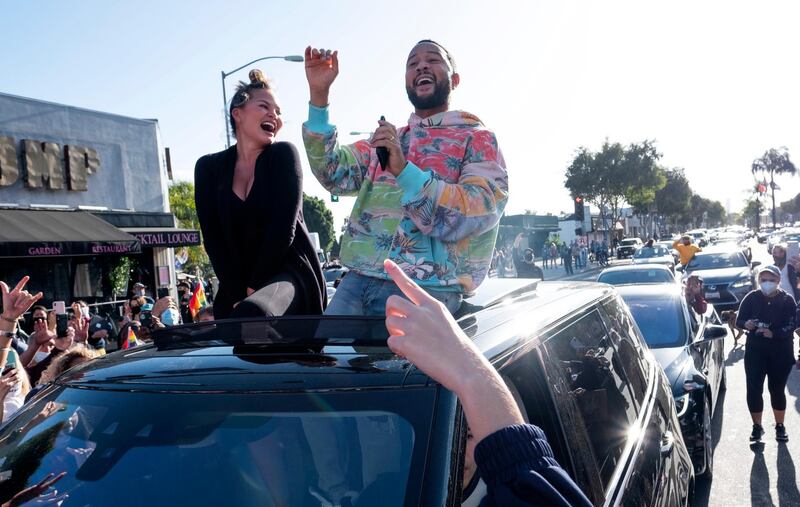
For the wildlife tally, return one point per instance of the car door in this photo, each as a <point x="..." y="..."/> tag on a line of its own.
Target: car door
<point x="655" y="476"/>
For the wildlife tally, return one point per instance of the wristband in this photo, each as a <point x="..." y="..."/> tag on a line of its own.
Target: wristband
<point x="8" y="334"/>
<point x="7" y="319"/>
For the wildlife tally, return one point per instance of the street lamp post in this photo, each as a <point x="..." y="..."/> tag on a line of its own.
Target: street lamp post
<point x="290" y="58"/>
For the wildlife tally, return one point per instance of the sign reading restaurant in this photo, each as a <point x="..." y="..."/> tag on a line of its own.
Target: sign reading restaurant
<point x="46" y="164"/>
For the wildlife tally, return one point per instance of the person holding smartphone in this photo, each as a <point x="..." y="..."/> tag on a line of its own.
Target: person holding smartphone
<point x="768" y="314"/>
<point x="789" y="278"/>
<point x="249" y="201"/>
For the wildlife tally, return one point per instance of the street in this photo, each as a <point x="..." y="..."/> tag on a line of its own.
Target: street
<point x="758" y="475"/>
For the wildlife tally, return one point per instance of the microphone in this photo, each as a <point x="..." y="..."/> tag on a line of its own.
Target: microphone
<point x="383" y="153"/>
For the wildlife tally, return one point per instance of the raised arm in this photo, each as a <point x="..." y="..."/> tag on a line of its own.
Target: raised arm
<point x="340" y="169"/>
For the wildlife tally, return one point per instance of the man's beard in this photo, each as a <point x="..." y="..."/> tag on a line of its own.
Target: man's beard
<point x="439" y="97"/>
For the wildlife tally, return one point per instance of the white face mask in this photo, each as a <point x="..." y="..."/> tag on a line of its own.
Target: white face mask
<point x="768" y="287"/>
<point x="39" y="356"/>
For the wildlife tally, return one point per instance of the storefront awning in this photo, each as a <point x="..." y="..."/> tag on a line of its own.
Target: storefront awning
<point x="47" y="233"/>
<point x="164" y="236"/>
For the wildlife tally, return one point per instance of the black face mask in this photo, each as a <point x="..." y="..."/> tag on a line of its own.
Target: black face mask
<point x="135" y="310"/>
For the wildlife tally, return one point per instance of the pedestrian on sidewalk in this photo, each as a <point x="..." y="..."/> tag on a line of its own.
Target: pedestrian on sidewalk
<point x="768" y="315"/>
<point x="545" y="255"/>
<point x="553" y="253"/>
<point x="566" y="258"/>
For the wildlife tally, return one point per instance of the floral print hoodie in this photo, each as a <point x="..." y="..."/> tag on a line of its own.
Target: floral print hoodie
<point x="438" y="219"/>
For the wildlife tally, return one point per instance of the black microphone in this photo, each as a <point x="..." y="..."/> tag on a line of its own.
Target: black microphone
<point x="383" y="153"/>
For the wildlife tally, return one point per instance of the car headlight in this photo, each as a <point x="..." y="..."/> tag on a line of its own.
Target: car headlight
<point x="742" y="283"/>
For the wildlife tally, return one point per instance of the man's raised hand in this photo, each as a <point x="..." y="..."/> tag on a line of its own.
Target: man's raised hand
<point x="322" y="67"/>
<point x="17" y="301"/>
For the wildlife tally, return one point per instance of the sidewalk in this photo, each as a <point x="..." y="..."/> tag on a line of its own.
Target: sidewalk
<point x="559" y="273"/>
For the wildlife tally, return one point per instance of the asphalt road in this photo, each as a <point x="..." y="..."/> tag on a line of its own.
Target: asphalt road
<point x="745" y="475"/>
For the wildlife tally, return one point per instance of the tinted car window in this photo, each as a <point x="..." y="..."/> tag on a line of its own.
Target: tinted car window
<point x="718" y="261"/>
<point x="660" y="319"/>
<point x="636" y="276"/>
<point x="588" y="366"/>
<point x="220" y="449"/>
<point x="625" y="336"/>
<point x="647" y="252"/>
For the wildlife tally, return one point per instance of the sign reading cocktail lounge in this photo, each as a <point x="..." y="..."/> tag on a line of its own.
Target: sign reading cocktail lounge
<point x="47" y="164"/>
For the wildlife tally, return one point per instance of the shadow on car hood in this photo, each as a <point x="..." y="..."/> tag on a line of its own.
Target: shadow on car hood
<point x="721" y="275"/>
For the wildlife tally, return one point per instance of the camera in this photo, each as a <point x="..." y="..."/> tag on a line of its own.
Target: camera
<point x="761" y="325"/>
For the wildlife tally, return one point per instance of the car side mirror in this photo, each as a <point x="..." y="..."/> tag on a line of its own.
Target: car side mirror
<point x="714" y="332"/>
<point x="755" y="264"/>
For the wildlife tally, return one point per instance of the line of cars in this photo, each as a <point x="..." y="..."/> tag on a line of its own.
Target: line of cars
<point x="688" y="345"/>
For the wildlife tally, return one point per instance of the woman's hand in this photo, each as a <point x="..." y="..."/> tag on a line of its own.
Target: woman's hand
<point x="81" y="329"/>
<point x="322" y="67"/>
<point x="17" y="301"/>
<point x="385" y="136"/>
<point x="8" y="380"/>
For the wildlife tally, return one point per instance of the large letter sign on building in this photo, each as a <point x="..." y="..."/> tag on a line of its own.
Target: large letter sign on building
<point x="9" y="171"/>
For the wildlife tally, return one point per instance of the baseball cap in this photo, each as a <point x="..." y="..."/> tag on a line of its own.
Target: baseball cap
<point x="771" y="269"/>
<point x="139" y="284"/>
<point x="100" y="325"/>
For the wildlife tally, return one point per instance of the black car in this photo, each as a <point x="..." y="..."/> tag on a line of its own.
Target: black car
<point x="727" y="275"/>
<point x="313" y="411"/>
<point x="690" y="348"/>
<point x="627" y="247"/>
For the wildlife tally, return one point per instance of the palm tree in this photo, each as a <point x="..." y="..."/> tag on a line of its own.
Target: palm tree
<point x="774" y="161"/>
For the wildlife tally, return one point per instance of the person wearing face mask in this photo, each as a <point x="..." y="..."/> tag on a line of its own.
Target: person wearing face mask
<point x="249" y="201"/>
<point x="768" y="316"/>
<point x="686" y="249"/>
<point x="788" y="271"/>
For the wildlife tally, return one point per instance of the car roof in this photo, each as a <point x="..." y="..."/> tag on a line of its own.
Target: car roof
<point x="666" y="290"/>
<point x="238" y="355"/>
<point x="635" y="267"/>
<point x="718" y="249"/>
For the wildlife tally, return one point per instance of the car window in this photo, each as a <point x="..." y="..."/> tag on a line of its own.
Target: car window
<point x="586" y="368"/>
<point x="647" y="251"/>
<point x="718" y="261"/>
<point x="636" y="276"/>
<point x="627" y="339"/>
<point x="660" y="318"/>
<point x="572" y="449"/>
<point x="221" y="449"/>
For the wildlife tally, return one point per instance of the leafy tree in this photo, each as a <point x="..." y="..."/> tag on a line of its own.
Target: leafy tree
<point x="319" y="219"/>
<point x="774" y="161"/>
<point x="672" y="200"/>
<point x="181" y="203"/>
<point x="615" y="175"/>
<point x="752" y="211"/>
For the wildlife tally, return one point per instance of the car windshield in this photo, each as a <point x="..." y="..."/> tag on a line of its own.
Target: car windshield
<point x="660" y="319"/>
<point x="718" y="261"/>
<point x="220" y="449"/>
<point x="633" y="276"/>
<point x="654" y="251"/>
<point x="627" y="242"/>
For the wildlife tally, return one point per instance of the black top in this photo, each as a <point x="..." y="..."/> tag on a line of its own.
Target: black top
<point x="776" y="312"/>
<point x="253" y="240"/>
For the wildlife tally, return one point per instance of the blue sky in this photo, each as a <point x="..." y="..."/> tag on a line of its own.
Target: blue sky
<point x="715" y="83"/>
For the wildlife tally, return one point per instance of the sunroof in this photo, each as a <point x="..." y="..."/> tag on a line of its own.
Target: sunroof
<point x="291" y="331"/>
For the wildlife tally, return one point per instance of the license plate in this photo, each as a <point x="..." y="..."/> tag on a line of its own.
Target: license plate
<point x="712" y="295"/>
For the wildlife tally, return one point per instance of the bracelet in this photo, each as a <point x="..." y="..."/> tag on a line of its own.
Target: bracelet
<point x="8" y="334"/>
<point x="13" y="321"/>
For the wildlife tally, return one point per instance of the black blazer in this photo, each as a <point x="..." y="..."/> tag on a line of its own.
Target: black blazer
<point x="285" y="246"/>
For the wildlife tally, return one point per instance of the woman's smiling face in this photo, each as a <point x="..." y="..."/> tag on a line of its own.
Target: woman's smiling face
<point x="259" y="119"/>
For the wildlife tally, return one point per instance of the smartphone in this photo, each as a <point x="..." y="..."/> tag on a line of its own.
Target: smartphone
<point x="146" y="318"/>
<point x="85" y="312"/>
<point x="792" y="249"/>
<point x="383" y="153"/>
<point x="61" y="318"/>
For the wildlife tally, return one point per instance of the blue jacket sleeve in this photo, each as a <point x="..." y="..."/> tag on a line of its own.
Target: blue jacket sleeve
<point x="519" y="469"/>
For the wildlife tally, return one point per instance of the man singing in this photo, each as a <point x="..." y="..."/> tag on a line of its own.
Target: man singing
<point x="434" y="208"/>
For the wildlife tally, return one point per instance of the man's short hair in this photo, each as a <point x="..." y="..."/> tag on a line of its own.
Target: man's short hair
<point x="450" y="58"/>
<point x="39" y="307"/>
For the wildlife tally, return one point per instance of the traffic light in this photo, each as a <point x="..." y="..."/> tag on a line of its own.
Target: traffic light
<point x="579" y="209"/>
<point x="334" y="198"/>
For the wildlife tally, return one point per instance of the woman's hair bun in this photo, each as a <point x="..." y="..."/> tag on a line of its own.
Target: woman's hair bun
<point x="256" y="77"/>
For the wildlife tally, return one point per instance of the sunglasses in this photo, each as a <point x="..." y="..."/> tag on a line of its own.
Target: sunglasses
<point x="39" y="319"/>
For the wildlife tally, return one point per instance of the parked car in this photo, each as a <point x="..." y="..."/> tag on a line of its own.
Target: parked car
<point x="763" y="233"/>
<point x="726" y="273"/>
<point x="736" y="240"/>
<point x="774" y="238"/>
<point x="690" y="348"/>
<point x="637" y="273"/>
<point x="627" y="247"/>
<point x="654" y="255"/>
<point x="292" y="410"/>
<point x="668" y="245"/>
<point x="699" y="237"/>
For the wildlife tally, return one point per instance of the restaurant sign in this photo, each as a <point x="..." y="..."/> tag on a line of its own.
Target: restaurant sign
<point x="167" y="238"/>
<point x="46" y="164"/>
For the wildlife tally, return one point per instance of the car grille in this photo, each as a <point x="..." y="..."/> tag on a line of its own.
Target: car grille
<point x="724" y="295"/>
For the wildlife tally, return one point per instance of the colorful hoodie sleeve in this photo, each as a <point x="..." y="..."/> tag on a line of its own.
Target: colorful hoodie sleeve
<point x="471" y="206"/>
<point x="340" y="169"/>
